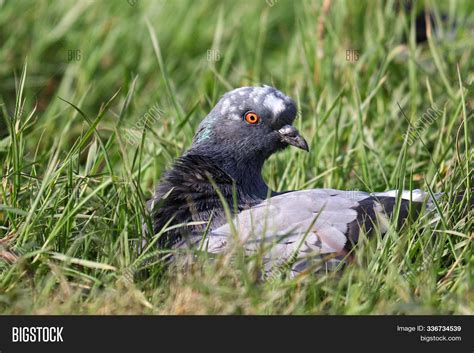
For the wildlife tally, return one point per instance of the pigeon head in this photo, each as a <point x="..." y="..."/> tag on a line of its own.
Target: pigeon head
<point x="231" y="144"/>
<point x="246" y="126"/>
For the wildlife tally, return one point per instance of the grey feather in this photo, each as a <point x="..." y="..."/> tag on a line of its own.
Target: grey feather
<point x="301" y="226"/>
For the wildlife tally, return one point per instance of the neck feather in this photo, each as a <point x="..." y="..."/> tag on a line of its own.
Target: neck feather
<point x="245" y="172"/>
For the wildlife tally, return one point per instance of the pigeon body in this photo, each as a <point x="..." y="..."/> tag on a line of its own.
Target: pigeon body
<point x="231" y="144"/>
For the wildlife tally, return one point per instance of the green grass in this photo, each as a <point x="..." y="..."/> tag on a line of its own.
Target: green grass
<point x="73" y="187"/>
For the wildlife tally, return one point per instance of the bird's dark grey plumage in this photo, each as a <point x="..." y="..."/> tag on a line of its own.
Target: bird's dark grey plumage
<point x="228" y="153"/>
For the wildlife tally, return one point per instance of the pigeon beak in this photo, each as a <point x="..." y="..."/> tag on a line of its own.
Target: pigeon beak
<point x="291" y="136"/>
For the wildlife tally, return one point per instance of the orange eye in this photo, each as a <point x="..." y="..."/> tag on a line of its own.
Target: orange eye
<point x="251" y="118"/>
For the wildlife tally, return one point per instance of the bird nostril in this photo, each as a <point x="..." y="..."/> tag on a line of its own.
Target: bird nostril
<point x="290" y="135"/>
<point x="288" y="130"/>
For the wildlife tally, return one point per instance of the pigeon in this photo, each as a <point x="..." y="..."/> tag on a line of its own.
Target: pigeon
<point x="222" y="172"/>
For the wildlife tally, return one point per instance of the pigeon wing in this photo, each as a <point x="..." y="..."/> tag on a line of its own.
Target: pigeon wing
<point x="308" y="225"/>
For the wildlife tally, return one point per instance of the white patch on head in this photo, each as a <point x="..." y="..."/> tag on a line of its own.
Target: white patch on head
<point x="275" y="104"/>
<point x="257" y="95"/>
<point x="242" y="93"/>
<point x="225" y="106"/>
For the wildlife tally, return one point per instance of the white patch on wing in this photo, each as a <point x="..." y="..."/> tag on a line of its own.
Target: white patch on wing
<point x="275" y="104"/>
<point x="415" y="195"/>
